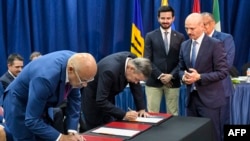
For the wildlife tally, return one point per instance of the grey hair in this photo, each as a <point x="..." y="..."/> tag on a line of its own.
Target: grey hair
<point x="208" y="14"/>
<point x="142" y="65"/>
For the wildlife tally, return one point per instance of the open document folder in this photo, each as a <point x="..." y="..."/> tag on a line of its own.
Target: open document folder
<point x="149" y="119"/>
<point x="154" y="118"/>
<point x="116" y="131"/>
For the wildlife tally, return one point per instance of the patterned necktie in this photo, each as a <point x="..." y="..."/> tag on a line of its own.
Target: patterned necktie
<point x="166" y="41"/>
<point x="194" y="53"/>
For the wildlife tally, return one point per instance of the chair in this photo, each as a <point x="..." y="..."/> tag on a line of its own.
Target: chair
<point x="244" y="69"/>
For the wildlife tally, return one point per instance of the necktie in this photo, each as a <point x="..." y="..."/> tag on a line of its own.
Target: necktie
<point x="194" y="53"/>
<point x="166" y="41"/>
<point x="67" y="90"/>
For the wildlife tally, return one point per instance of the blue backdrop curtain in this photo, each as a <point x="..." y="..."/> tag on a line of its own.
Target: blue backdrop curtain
<point x="102" y="27"/>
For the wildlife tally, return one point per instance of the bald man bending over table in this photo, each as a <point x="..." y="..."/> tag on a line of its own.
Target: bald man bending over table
<point x="40" y="86"/>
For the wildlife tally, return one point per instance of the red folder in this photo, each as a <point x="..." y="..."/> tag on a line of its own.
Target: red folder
<point x="100" y="138"/>
<point x="128" y="125"/>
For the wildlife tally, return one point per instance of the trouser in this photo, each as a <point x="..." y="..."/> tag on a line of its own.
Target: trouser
<point x="154" y="96"/>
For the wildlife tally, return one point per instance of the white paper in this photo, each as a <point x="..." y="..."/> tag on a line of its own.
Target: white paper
<point x="115" y="131"/>
<point x="242" y="78"/>
<point x="149" y="119"/>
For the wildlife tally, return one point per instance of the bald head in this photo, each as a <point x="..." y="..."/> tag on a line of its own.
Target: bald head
<point x="85" y="65"/>
<point x="194" y="25"/>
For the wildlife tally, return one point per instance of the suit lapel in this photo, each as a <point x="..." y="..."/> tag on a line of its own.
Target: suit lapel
<point x="159" y="36"/>
<point x="10" y="77"/>
<point x="202" y="51"/>
<point x="215" y="34"/>
<point x="62" y="85"/>
<point x="172" y="38"/>
<point x="186" y="50"/>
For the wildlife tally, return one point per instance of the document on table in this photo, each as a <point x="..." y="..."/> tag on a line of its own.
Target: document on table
<point x="115" y="131"/>
<point x="152" y="119"/>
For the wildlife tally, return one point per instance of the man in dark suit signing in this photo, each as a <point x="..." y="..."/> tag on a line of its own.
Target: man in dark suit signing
<point x="114" y="73"/>
<point x="164" y="56"/>
<point x="42" y="85"/>
<point x="203" y="67"/>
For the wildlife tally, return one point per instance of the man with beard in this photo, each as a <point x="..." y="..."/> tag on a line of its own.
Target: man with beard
<point x="162" y="47"/>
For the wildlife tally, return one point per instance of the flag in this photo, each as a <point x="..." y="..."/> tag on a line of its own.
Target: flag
<point x="165" y="3"/>
<point x="137" y="40"/>
<point x="196" y="6"/>
<point x="216" y="13"/>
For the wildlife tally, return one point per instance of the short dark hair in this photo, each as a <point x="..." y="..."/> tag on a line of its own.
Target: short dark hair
<point x="165" y="9"/>
<point x="13" y="57"/>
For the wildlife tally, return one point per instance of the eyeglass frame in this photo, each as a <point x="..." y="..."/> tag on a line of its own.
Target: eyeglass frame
<point x="78" y="77"/>
<point x="207" y="23"/>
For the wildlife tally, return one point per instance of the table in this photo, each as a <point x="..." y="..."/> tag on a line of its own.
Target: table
<point x="240" y="104"/>
<point x="176" y="128"/>
<point x="179" y="129"/>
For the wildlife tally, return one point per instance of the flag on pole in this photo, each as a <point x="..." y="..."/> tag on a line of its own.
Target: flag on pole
<point x="216" y="13"/>
<point x="165" y="3"/>
<point x="137" y="40"/>
<point x="196" y="6"/>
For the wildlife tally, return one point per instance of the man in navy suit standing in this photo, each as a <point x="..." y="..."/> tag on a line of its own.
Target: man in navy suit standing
<point x="41" y="87"/>
<point x="228" y="42"/>
<point x="115" y="72"/>
<point x="163" y="51"/>
<point x="203" y="67"/>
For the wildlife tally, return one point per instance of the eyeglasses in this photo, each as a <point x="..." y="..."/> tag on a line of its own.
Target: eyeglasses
<point x="207" y="23"/>
<point x="82" y="81"/>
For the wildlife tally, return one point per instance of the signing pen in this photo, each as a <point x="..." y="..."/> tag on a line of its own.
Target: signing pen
<point x="130" y="109"/>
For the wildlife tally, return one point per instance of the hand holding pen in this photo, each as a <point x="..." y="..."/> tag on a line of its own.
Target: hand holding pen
<point x="131" y="115"/>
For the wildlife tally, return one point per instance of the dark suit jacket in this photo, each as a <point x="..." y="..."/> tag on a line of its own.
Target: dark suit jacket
<point x="110" y="80"/>
<point x="229" y="46"/>
<point x="1" y="94"/>
<point x="6" y="79"/>
<point x="162" y="62"/>
<point x="39" y="86"/>
<point x="211" y="64"/>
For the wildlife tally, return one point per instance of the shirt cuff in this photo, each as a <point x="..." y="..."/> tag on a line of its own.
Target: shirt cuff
<point x="160" y="76"/>
<point x="58" y="138"/>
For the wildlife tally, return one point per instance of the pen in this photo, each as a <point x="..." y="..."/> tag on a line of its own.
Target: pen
<point x="130" y="109"/>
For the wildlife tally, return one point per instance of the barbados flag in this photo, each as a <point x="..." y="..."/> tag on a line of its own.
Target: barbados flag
<point x="137" y="40"/>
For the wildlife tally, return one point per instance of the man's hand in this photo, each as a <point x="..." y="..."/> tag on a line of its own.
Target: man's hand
<point x="191" y="76"/>
<point x="131" y="115"/>
<point x="72" y="137"/>
<point x="143" y="113"/>
<point x="166" y="78"/>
